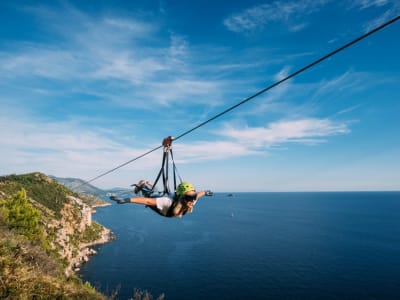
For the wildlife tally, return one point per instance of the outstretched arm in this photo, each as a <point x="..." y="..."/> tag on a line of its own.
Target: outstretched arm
<point x="203" y="193"/>
<point x="137" y="200"/>
<point x="144" y="201"/>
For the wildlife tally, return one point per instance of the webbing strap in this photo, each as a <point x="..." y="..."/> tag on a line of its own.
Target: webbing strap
<point x="173" y="169"/>
<point x="160" y="173"/>
<point x="164" y="171"/>
<point x="165" y="174"/>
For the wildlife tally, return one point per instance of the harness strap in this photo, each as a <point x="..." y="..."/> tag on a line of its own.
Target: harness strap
<point x="174" y="169"/>
<point x="164" y="171"/>
<point x="159" y="173"/>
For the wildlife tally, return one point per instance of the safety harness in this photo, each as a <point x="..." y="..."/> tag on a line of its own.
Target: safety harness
<point x="177" y="201"/>
<point x="164" y="171"/>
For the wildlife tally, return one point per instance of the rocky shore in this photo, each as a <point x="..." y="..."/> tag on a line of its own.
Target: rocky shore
<point x="85" y="250"/>
<point x="76" y="219"/>
<point x="56" y="220"/>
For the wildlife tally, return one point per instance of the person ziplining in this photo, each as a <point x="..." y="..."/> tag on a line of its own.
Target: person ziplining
<point x="166" y="203"/>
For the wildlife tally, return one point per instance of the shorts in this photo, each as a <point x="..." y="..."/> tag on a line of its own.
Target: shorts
<point x="163" y="204"/>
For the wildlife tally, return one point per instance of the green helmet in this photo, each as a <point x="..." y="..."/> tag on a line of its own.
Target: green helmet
<point x="184" y="187"/>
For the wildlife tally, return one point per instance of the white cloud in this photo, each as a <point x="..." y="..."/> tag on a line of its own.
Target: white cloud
<point x="305" y="131"/>
<point x="126" y="68"/>
<point x="363" y="4"/>
<point x="384" y="17"/>
<point x="291" y="14"/>
<point x="246" y="141"/>
<point x="208" y="151"/>
<point x="180" y="90"/>
<point x="349" y="81"/>
<point x="349" y="109"/>
<point x="282" y="73"/>
<point x="178" y="49"/>
<point x="60" y="148"/>
<point x="131" y="55"/>
<point x="326" y="91"/>
<point x="133" y="27"/>
<point x="258" y="17"/>
<point x="384" y="9"/>
<point x="66" y="149"/>
<point x="39" y="61"/>
<point x="297" y="27"/>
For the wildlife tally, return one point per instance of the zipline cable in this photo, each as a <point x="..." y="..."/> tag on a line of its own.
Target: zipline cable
<point x="120" y="166"/>
<point x="319" y="60"/>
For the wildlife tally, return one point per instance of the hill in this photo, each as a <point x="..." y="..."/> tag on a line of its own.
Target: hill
<point x="90" y="194"/>
<point x="79" y="186"/>
<point x="45" y="233"/>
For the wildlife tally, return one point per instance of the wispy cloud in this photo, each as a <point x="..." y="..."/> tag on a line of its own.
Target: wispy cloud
<point x="62" y="148"/>
<point x="117" y="59"/>
<point x="287" y="13"/>
<point x="283" y="100"/>
<point x="203" y="151"/>
<point x="363" y="4"/>
<point x="388" y="9"/>
<point x="303" y="131"/>
<point x="130" y="55"/>
<point x="349" y="81"/>
<point x="65" y="148"/>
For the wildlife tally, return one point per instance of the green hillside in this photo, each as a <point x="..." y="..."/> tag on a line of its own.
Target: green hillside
<point x="39" y="187"/>
<point x="41" y="228"/>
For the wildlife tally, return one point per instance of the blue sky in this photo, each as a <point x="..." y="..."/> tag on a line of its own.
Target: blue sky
<point x="88" y="85"/>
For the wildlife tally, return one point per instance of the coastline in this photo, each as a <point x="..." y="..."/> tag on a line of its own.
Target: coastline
<point x="93" y="207"/>
<point x="85" y="250"/>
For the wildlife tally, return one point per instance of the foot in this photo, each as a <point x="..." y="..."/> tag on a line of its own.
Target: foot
<point x="139" y="186"/>
<point x="120" y="200"/>
<point x="137" y="189"/>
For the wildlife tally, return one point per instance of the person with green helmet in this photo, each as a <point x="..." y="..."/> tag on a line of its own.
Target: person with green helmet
<point x="166" y="205"/>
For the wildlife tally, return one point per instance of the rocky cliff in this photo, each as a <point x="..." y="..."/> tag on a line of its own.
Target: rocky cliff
<point x="66" y="219"/>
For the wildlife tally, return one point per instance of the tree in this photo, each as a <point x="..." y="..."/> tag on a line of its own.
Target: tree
<point x="22" y="216"/>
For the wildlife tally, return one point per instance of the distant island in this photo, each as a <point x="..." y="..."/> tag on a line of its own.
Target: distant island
<point x="46" y="231"/>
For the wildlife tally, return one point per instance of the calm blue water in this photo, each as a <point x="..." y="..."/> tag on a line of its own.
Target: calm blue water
<point x="256" y="246"/>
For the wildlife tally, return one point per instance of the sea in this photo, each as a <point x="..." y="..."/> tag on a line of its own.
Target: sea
<point x="317" y="245"/>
